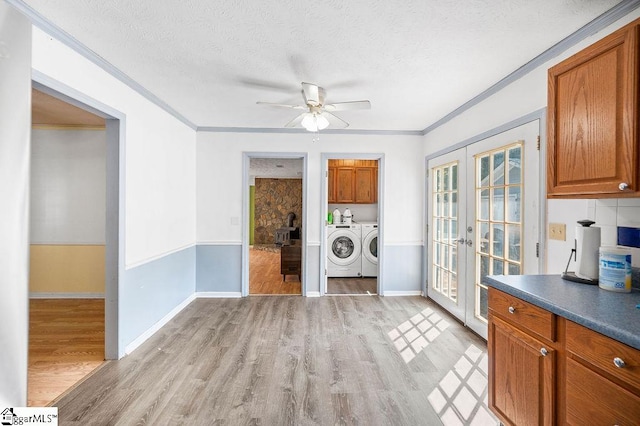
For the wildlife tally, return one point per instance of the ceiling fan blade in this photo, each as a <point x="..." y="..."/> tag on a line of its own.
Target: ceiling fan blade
<point x="311" y="93"/>
<point x="296" y="121"/>
<point x="346" y="106"/>
<point x="282" y="105"/>
<point x="335" y="122"/>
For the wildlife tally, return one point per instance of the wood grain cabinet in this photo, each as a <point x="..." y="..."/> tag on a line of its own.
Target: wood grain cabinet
<point x="547" y="370"/>
<point x="592" y="130"/>
<point x="522" y="363"/>
<point x="602" y="379"/>
<point x="353" y="181"/>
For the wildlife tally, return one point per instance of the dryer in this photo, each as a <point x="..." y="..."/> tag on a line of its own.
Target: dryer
<point x="369" y="249"/>
<point x="344" y="249"/>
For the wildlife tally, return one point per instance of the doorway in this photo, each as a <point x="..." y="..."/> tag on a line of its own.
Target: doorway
<point x="59" y="106"/>
<point x="276" y="224"/>
<point x="351" y="226"/>
<point x="483" y="219"/>
<point x="67" y="247"/>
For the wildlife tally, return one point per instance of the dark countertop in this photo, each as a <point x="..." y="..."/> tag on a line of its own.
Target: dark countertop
<point x="613" y="314"/>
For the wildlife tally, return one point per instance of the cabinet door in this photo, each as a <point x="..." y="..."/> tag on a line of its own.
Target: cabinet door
<point x="345" y="185"/>
<point x="364" y="191"/>
<point x="521" y="376"/>
<point x="592" y="119"/>
<point x="331" y="177"/>
<point x="594" y="400"/>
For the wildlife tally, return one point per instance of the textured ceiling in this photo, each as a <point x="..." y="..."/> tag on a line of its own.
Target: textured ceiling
<point x="415" y="60"/>
<point x="275" y="167"/>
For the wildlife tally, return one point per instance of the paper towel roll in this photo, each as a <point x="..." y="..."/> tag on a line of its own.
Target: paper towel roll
<point x="587" y="248"/>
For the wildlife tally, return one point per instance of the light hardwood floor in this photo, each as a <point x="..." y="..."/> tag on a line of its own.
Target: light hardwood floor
<point x="286" y="360"/>
<point x="352" y="285"/>
<point x="264" y="275"/>
<point x="66" y="343"/>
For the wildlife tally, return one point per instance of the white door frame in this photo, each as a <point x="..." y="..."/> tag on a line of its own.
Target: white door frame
<point x="115" y="199"/>
<point x="324" y="202"/>
<point x="246" y="163"/>
<point x="536" y="115"/>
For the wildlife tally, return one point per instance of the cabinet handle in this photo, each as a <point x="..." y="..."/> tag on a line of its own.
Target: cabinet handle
<point x="544" y="351"/>
<point x="623" y="186"/>
<point x="619" y="362"/>
<point x="512" y="310"/>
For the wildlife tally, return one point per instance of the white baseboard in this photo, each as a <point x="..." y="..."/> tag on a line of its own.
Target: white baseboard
<point x="313" y="294"/>
<point x="403" y="293"/>
<point x="157" y="326"/>
<point x="217" y="294"/>
<point x="38" y="295"/>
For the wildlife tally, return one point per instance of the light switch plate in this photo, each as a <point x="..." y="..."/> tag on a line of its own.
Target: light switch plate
<point x="558" y="231"/>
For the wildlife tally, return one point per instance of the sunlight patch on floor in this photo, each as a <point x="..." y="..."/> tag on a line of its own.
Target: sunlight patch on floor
<point x="461" y="397"/>
<point x="415" y="334"/>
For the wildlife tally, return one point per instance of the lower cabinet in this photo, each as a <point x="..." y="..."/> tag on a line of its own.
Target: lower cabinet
<point x="522" y="376"/>
<point x="595" y="400"/>
<point x="576" y="376"/>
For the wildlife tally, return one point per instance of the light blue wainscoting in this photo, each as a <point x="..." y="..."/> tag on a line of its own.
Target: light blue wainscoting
<point x="402" y="269"/>
<point x="219" y="268"/>
<point x="312" y="273"/>
<point x="151" y="291"/>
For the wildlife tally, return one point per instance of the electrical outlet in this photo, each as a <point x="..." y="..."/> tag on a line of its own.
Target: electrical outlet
<point x="558" y="231"/>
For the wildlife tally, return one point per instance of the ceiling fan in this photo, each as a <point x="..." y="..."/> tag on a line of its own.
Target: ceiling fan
<point x="318" y="115"/>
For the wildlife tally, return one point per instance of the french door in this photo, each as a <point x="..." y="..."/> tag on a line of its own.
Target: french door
<point x="482" y="220"/>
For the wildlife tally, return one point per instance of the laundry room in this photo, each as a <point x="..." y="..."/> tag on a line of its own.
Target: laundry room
<point x="352" y="226"/>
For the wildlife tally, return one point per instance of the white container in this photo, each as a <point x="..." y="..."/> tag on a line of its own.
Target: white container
<point x="336" y="217"/>
<point x="346" y="217"/>
<point x="615" y="269"/>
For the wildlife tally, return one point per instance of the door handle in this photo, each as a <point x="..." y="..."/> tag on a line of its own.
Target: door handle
<point x="461" y="240"/>
<point x="469" y="243"/>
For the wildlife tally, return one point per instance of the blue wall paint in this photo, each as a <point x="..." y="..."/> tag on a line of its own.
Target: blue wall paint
<point x="219" y="268"/>
<point x="402" y="268"/>
<point x="311" y="275"/>
<point x="150" y="291"/>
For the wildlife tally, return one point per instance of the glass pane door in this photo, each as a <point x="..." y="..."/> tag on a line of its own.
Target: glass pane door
<point x="482" y="220"/>
<point x="504" y="196"/>
<point x="498" y="218"/>
<point x="445" y="248"/>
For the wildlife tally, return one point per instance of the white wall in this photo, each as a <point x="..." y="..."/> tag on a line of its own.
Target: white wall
<point x="219" y="200"/>
<point x="68" y="184"/>
<point x="159" y="152"/>
<point x="15" y="126"/>
<point x="520" y="98"/>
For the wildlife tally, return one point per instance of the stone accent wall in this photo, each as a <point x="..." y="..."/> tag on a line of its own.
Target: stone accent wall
<point x="274" y="199"/>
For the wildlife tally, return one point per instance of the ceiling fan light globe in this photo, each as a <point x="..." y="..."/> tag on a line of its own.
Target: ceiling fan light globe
<point x="322" y="122"/>
<point x="310" y="122"/>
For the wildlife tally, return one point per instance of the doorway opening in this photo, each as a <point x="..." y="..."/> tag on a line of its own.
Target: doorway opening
<point x="75" y="238"/>
<point x="352" y="225"/>
<point x="275" y="225"/>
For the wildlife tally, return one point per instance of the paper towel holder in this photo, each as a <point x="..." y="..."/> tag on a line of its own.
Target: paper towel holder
<point x="571" y="276"/>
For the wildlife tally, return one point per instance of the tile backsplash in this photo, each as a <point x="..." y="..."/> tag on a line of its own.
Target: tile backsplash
<point x="611" y="213"/>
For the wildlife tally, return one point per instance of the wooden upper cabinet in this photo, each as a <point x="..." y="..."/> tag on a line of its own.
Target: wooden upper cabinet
<point x="345" y="184"/>
<point x="353" y="181"/>
<point x="592" y="140"/>
<point x="331" y="177"/>
<point x="365" y="185"/>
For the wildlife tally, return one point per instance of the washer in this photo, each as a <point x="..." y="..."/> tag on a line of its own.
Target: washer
<point x="344" y="249"/>
<point x="369" y="249"/>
